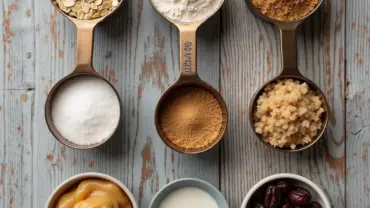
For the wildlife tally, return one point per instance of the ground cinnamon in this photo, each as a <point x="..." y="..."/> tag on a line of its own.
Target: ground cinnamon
<point x="286" y="10"/>
<point x="191" y="118"/>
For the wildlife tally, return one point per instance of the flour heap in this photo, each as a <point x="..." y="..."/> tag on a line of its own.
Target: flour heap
<point x="187" y="10"/>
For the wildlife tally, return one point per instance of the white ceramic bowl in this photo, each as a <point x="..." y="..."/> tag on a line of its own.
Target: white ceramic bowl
<point x="297" y="180"/>
<point x="189" y="182"/>
<point x="63" y="187"/>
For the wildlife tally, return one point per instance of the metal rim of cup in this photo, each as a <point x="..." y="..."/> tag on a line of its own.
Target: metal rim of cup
<point x="48" y="112"/>
<point x="54" y="3"/>
<point x="89" y="175"/>
<point x="324" y="118"/>
<point x="258" y="13"/>
<point x="198" y="84"/>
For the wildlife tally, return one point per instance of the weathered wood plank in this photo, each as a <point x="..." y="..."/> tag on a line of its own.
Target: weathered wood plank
<point x="137" y="52"/>
<point x="249" y="57"/>
<point x="17" y="44"/>
<point x="358" y="100"/>
<point x="16" y="148"/>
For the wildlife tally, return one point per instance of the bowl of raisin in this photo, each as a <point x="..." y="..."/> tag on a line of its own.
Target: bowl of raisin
<point x="285" y="190"/>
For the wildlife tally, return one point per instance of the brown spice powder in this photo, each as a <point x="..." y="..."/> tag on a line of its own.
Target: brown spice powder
<point x="285" y="9"/>
<point x="191" y="118"/>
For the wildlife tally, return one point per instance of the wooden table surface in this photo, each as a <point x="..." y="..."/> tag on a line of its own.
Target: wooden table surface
<point x="137" y="51"/>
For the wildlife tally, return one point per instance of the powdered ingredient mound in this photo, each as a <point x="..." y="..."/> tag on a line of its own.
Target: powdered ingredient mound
<point x="191" y="118"/>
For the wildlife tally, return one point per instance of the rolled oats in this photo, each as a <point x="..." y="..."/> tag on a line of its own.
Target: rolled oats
<point x="87" y="9"/>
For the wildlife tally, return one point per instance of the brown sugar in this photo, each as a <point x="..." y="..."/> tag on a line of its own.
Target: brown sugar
<point x="286" y="10"/>
<point x="191" y="118"/>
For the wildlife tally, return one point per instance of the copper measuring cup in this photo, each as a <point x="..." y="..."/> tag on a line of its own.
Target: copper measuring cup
<point x="290" y="69"/>
<point x="84" y="67"/>
<point x="189" y="78"/>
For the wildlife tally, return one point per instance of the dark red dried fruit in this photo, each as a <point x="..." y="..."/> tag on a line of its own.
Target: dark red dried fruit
<point x="284" y="186"/>
<point x="287" y="206"/>
<point x="314" y="205"/>
<point x="268" y="196"/>
<point x="299" y="196"/>
<point x="276" y="197"/>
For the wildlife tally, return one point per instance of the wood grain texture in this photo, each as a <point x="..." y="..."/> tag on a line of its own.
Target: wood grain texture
<point x="358" y="100"/>
<point x="16" y="148"/>
<point x="17" y="45"/>
<point x="137" y="51"/>
<point x="250" y="56"/>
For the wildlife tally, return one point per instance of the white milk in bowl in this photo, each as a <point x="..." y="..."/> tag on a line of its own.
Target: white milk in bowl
<point x="189" y="197"/>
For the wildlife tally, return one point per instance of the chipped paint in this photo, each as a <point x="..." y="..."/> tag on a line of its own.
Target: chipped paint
<point x="63" y="152"/>
<point x="53" y="30"/>
<point x="364" y="155"/>
<point x="269" y="62"/>
<point x="50" y="157"/>
<point x="109" y="74"/>
<point x="155" y="70"/>
<point x="3" y="168"/>
<point x="56" y="162"/>
<point x="11" y="200"/>
<point x="61" y="54"/>
<point x="24" y="97"/>
<point x="140" y="91"/>
<point x="91" y="164"/>
<point x="260" y="38"/>
<point x="337" y="164"/>
<point x="12" y="172"/>
<point x="8" y="34"/>
<point x="147" y="169"/>
<point x="29" y="13"/>
<point x="19" y="129"/>
<point x="359" y="60"/>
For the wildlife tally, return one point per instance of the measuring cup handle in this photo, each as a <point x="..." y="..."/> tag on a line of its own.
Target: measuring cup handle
<point x="289" y="56"/>
<point x="188" y="50"/>
<point x="85" y="38"/>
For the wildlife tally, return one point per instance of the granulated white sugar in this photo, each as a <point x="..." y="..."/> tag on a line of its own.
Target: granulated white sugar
<point x="86" y="110"/>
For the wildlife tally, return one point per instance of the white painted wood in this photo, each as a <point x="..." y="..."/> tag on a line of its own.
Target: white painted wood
<point x="358" y="100"/>
<point x="16" y="148"/>
<point x="17" y="44"/>
<point x="137" y="51"/>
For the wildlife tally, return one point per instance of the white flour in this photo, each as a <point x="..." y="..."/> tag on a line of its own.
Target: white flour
<point x="86" y="110"/>
<point x="186" y="10"/>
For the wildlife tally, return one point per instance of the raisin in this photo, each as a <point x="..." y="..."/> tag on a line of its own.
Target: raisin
<point x="276" y="197"/>
<point x="284" y="186"/>
<point x="300" y="196"/>
<point x="268" y="196"/>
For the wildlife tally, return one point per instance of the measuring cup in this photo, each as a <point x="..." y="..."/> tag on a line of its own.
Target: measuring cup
<point x="289" y="60"/>
<point x="189" y="78"/>
<point x="85" y="38"/>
